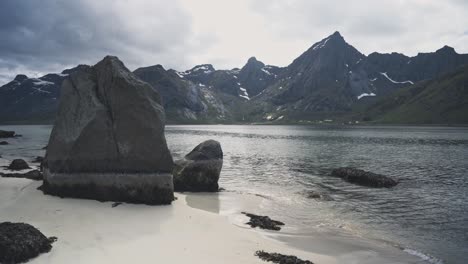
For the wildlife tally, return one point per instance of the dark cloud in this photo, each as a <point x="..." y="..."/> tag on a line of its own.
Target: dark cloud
<point x="38" y="36"/>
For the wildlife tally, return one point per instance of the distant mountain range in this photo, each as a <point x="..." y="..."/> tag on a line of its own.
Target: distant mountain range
<point x="330" y="82"/>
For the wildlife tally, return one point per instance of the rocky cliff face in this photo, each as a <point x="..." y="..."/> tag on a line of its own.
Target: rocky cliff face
<point x="108" y="138"/>
<point x="184" y="100"/>
<point x="255" y="76"/>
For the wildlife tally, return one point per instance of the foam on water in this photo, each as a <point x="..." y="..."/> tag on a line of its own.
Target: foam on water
<point x="427" y="258"/>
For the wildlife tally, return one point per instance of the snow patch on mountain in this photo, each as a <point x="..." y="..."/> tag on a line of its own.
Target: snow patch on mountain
<point x="244" y="93"/>
<point x="40" y="82"/>
<point x="180" y="74"/>
<point x="265" y="71"/>
<point x="365" y="94"/>
<point x="39" y="90"/>
<point x="393" y="81"/>
<point x="321" y="44"/>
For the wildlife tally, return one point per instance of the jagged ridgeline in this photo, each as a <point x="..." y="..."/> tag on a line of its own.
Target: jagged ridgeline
<point x="330" y="81"/>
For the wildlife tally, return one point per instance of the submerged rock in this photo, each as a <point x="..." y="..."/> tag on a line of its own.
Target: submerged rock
<point x="200" y="169"/>
<point x="280" y="258"/>
<point x="20" y="242"/>
<point x="108" y="139"/>
<point x="32" y="175"/>
<point x="18" y="164"/>
<point x="263" y="222"/>
<point x="4" y="143"/>
<point x="7" y="134"/>
<point x="364" y="178"/>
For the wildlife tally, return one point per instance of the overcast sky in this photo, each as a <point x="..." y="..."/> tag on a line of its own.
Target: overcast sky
<point x="39" y="37"/>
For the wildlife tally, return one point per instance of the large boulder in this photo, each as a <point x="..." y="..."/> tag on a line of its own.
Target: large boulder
<point x="108" y="139"/>
<point x="20" y="242"/>
<point x="7" y="134"/>
<point x="199" y="170"/>
<point x="364" y="178"/>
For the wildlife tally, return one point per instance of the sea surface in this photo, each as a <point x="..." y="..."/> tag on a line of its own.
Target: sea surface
<point x="426" y="214"/>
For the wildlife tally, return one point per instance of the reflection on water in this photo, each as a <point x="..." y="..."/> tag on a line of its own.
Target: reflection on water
<point x="204" y="201"/>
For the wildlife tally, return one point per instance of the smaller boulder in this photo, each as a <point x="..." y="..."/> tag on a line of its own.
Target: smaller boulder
<point x="4" y="143"/>
<point x="18" y="164"/>
<point x="7" y="134"/>
<point x="20" y="242"/>
<point x="200" y="169"/>
<point x="364" y="178"/>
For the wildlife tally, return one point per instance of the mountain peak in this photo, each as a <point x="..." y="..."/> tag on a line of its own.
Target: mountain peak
<point x="446" y="49"/>
<point x="252" y="59"/>
<point x="21" y="77"/>
<point x="336" y="34"/>
<point x="253" y="63"/>
<point x="111" y="62"/>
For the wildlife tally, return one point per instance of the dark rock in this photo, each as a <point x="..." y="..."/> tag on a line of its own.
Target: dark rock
<point x="32" y="175"/>
<point x="280" y="258"/>
<point x="18" y="164"/>
<point x="44" y="147"/>
<point x="364" y="178"/>
<point x="20" y="242"/>
<point x="263" y="222"/>
<point x="116" y="204"/>
<point x="108" y="139"/>
<point x="4" y="143"/>
<point x="200" y="169"/>
<point x="317" y="195"/>
<point x="7" y="134"/>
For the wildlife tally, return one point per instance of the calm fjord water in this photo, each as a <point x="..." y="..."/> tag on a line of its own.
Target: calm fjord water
<point x="426" y="212"/>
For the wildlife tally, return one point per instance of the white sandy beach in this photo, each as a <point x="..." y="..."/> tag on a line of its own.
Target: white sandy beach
<point x="93" y="232"/>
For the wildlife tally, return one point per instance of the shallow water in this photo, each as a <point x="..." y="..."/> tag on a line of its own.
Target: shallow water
<point x="426" y="214"/>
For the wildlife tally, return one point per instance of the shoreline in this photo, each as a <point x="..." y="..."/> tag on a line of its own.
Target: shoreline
<point x="196" y="228"/>
<point x="94" y="232"/>
<point x="343" y="246"/>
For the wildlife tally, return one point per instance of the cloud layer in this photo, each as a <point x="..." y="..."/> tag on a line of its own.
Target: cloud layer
<point x="48" y="35"/>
